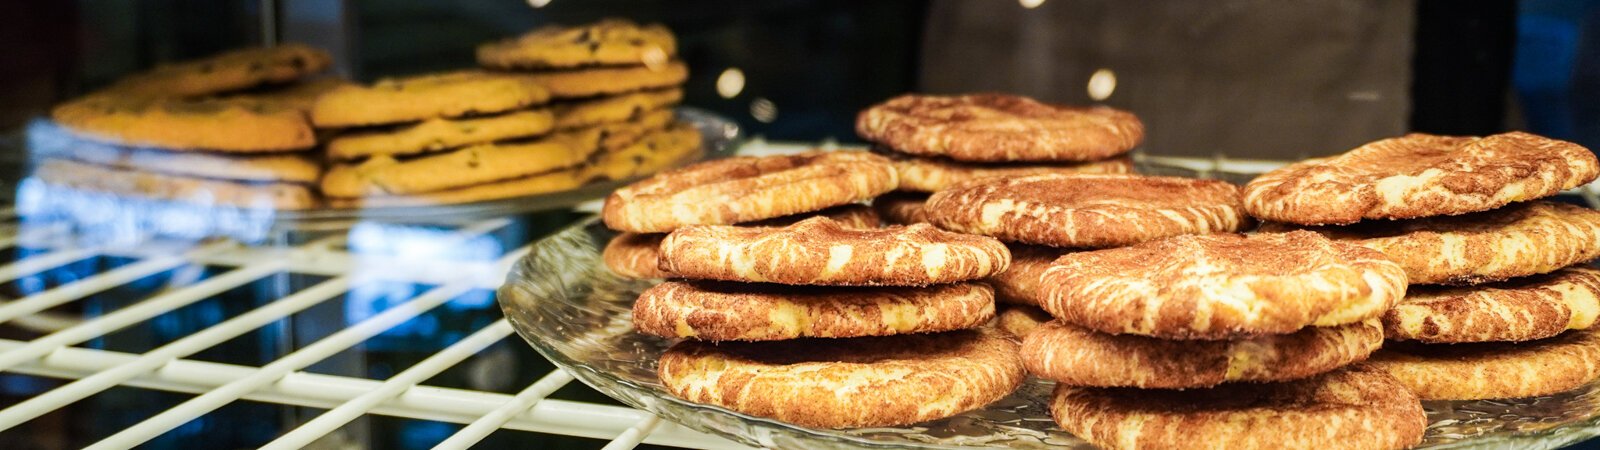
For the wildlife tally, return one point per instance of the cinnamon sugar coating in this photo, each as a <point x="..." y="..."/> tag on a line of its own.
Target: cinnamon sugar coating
<point x="857" y="382"/>
<point x="1420" y="175"/>
<point x="819" y="251"/>
<point x="1359" y="408"/>
<point x="745" y="189"/>
<point x="1222" y="286"/>
<point x="1088" y="211"/>
<point x="998" y="127"/>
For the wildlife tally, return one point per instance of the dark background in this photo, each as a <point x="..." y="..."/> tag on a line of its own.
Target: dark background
<point x="1243" y="78"/>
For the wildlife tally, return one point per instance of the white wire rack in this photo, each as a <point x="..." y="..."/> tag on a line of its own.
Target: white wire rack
<point x="283" y="381"/>
<point x="60" y="353"/>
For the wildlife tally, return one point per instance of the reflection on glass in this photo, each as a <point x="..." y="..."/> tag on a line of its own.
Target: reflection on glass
<point x="730" y="83"/>
<point x="1101" y="84"/>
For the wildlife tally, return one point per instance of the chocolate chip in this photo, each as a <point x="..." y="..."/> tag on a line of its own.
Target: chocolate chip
<point x="298" y="62"/>
<point x="255" y="66"/>
<point x="594" y="46"/>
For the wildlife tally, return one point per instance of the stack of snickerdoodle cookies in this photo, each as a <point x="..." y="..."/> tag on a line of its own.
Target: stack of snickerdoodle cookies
<point x="813" y="323"/>
<point x="441" y="136"/>
<point x="227" y="130"/>
<point x="1233" y="341"/>
<point x="939" y="141"/>
<point x="1501" y="305"/>
<point x="1148" y="299"/>
<point x="1046" y="216"/>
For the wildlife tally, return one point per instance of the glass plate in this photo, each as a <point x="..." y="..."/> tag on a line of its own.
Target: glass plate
<point x="565" y="302"/>
<point x="720" y="138"/>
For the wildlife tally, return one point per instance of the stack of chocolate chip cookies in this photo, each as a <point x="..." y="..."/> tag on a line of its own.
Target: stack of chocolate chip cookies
<point x="1501" y="304"/>
<point x="558" y="108"/>
<point x="228" y="130"/>
<point x="615" y="78"/>
<point x="439" y="136"/>
<point x="813" y="323"/>
<point x="937" y="142"/>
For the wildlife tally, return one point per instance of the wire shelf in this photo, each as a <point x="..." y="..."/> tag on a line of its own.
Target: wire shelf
<point x="59" y="352"/>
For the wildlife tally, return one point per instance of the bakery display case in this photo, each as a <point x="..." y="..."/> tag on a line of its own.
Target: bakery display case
<point x="799" y="224"/>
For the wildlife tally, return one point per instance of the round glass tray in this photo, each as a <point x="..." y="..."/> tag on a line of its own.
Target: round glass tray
<point x="564" y="301"/>
<point x="720" y="138"/>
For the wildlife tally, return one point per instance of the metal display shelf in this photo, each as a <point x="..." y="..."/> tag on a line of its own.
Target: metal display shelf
<point x="59" y="352"/>
<point x="57" y="355"/>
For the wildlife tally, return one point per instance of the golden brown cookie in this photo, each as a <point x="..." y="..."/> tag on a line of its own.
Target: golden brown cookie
<point x="542" y="183"/>
<point x="744" y="189"/>
<point x="647" y="154"/>
<point x="227" y="71"/>
<point x="1420" y="175"/>
<point x="1088" y="211"/>
<point x="1523" y="309"/>
<point x="651" y="153"/>
<point x="621" y="108"/>
<point x="155" y="186"/>
<point x="299" y="96"/>
<point x="439" y="134"/>
<point x="582" y="83"/>
<point x="1222" y="286"/>
<point x="721" y="311"/>
<point x="285" y="168"/>
<point x="998" y="127"/>
<point x="1019" y="284"/>
<point x="618" y="135"/>
<point x="1493" y="370"/>
<point x="1077" y="356"/>
<point x="422" y="97"/>
<point x="637" y="255"/>
<point x="606" y="42"/>
<point x="1359" y="408"/>
<point x="469" y="166"/>
<point x="856" y="382"/>
<point x="937" y="174"/>
<point x="820" y="251"/>
<point x="1021" y="320"/>
<point x="236" y="125"/>
<point x="1514" y="241"/>
<point x="902" y="208"/>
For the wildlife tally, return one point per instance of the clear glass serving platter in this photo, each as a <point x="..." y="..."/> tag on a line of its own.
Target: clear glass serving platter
<point x="572" y="309"/>
<point x="720" y="138"/>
